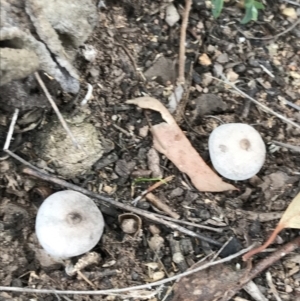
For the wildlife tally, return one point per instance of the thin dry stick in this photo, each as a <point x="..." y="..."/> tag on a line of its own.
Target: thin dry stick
<point x="126" y="289"/>
<point x="155" y="201"/>
<point x="272" y="286"/>
<point x="178" y="221"/>
<point x="151" y="188"/>
<point x="221" y="249"/>
<point x="55" y="108"/>
<point x="8" y="140"/>
<point x="265" y="108"/>
<point x="292" y="2"/>
<point x="21" y="160"/>
<point x="11" y="130"/>
<point x="188" y="5"/>
<point x="289" y="146"/>
<point x="117" y="204"/>
<point x="262" y="265"/>
<point x="272" y="37"/>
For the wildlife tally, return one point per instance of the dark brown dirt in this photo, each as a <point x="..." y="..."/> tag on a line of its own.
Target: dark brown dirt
<point x="129" y="39"/>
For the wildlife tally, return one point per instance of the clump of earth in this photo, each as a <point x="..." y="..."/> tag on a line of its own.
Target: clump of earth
<point x="53" y="144"/>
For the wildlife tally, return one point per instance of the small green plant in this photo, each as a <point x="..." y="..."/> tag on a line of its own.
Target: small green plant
<point x="251" y="7"/>
<point x="139" y="180"/>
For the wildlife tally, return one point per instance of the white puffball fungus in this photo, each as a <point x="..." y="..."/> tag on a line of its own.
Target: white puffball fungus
<point x="237" y="151"/>
<point x="68" y="224"/>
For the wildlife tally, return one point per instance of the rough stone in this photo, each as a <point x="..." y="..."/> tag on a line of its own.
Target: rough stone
<point x="38" y="35"/>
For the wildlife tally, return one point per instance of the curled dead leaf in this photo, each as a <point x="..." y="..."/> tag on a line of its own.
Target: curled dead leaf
<point x="290" y="219"/>
<point x="169" y="140"/>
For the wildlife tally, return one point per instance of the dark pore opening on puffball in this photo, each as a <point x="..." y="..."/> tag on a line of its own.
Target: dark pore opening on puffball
<point x="245" y="144"/>
<point x="74" y="218"/>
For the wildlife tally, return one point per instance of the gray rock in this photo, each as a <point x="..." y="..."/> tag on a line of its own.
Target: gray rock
<point x="43" y="35"/>
<point x="163" y="70"/>
<point x="208" y="104"/>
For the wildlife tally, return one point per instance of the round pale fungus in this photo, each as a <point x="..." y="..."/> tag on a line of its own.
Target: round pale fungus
<point x="68" y="224"/>
<point x="237" y="151"/>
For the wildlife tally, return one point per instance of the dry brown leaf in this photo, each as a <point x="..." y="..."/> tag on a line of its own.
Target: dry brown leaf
<point x="290" y="219"/>
<point x="169" y="140"/>
<point x="155" y="105"/>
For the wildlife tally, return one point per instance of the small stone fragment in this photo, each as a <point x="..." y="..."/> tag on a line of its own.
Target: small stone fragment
<point x="172" y="15"/>
<point x="156" y="242"/>
<point x="289" y="12"/>
<point x="143" y="131"/>
<point x="204" y="60"/>
<point x="176" y="193"/>
<point x="162" y="70"/>
<point x="123" y="168"/>
<point x="223" y="58"/>
<point x="154" y="163"/>
<point x="108" y="189"/>
<point x="206" y="79"/>
<point x="89" y="53"/>
<point x="231" y="75"/>
<point x="208" y="104"/>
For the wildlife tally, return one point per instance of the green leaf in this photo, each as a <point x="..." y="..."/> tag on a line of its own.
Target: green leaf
<point x="258" y="5"/>
<point x="217" y="7"/>
<point x="251" y="12"/>
<point x="248" y="3"/>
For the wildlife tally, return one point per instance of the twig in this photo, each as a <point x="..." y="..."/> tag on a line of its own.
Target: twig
<point x="292" y="2"/>
<point x="291" y="104"/>
<point x="117" y="204"/>
<point x="265" y="108"/>
<point x="151" y="188"/>
<point x="221" y="249"/>
<point x="126" y="289"/>
<point x="154" y="200"/>
<point x="137" y="70"/>
<point x="22" y="160"/>
<point x="272" y="37"/>
<point x="11" y="130"/>
<point x="178" y="221"/>
<point x="262" y="265"/>
<point x="55" y="108"/>
<point x="188" y="5"/>
<point x="8" y="140"/>
<point x="122" y="130"/>
<point x="289" y="146"/>
<point x="272" y="286"/>
<point x="88" y="95"/>
<point x="85" y="279"/>
<point x="252" y="289"/>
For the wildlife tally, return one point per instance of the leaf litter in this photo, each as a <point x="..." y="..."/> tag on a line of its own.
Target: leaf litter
<point x="290" y="219"/>
<point x="169" y="140"/>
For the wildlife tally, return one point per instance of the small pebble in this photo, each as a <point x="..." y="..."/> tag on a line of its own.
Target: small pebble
<point x="204" y="60"/>
<point x="172" y="15"/>
<point x="176" y="193"/>
<point x="240" y="68"/>
<point x="143" y="131"/>
<point x="288" y="289"/>
<point x="223" y="58"/>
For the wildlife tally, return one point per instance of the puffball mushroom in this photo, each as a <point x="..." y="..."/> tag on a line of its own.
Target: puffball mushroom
<point x="237" y="151"/>
<point x="68" y="224"/>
